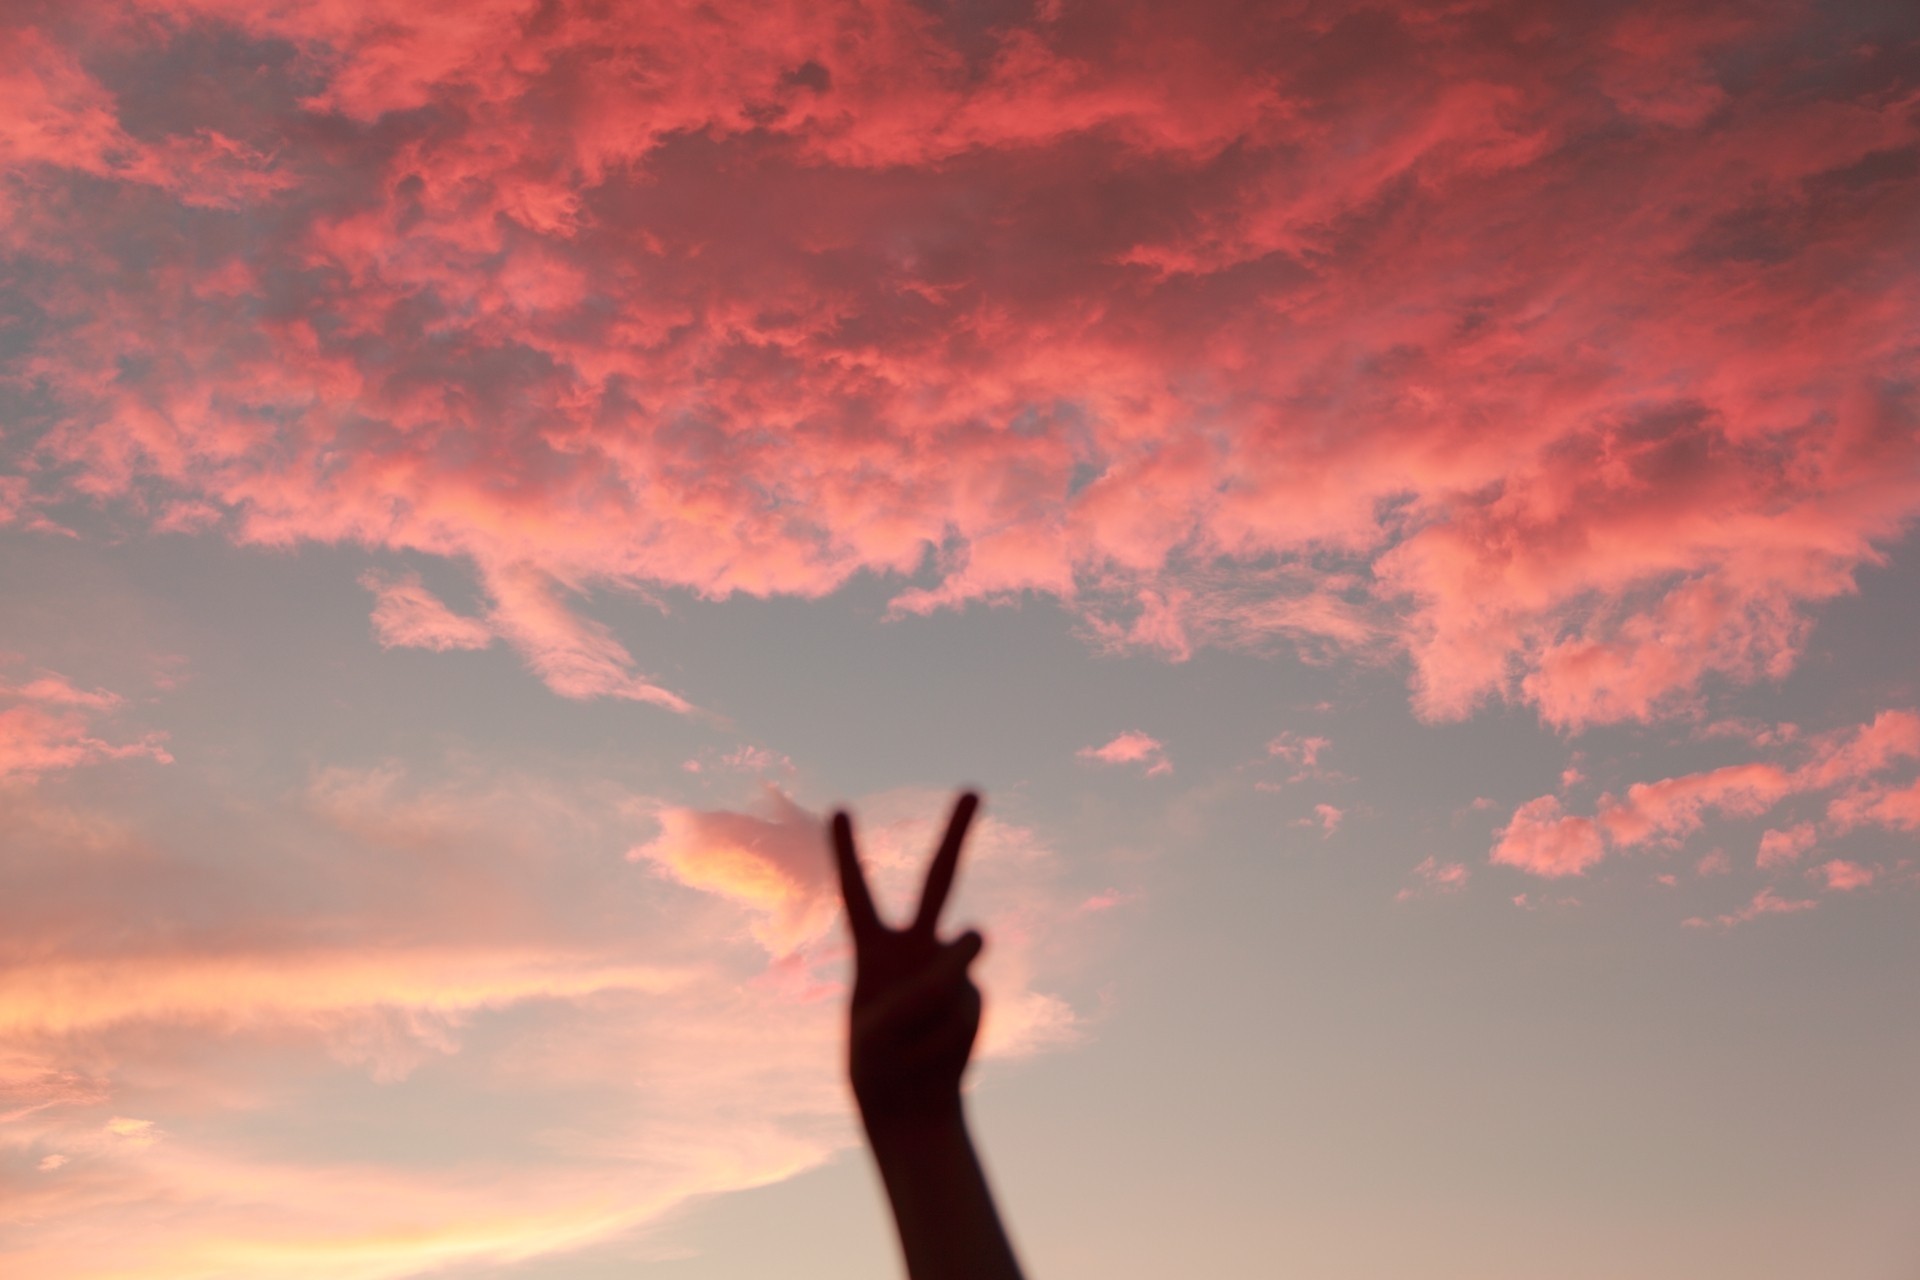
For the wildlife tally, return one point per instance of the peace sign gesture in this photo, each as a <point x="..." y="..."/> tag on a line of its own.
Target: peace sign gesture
<point x="915" y="1015"/>
<point x="915" y="1010"/>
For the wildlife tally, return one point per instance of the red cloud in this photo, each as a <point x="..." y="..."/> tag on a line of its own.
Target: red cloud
<point x="1221" y="329"/>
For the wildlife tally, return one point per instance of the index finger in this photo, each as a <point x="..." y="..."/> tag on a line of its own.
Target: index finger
<point x="940" y="874"/>
<point x="861" y="916"/>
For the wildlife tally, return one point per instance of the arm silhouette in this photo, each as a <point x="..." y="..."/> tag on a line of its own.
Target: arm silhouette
<point x="914" y="1017"/>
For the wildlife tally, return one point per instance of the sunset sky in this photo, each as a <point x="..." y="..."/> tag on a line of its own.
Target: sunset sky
<point x="1405" y="510"/>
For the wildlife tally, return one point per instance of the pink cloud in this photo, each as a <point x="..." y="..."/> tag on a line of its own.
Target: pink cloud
<point x="756" y="760"/>
<point x="577" y="1015"/>
<point x="1299" y="749"/>
<point x="1892" y="736"/>
<point x="1131" y="747"/>
<point x="577" y="657"/>
<point x="407" y="615"/>
<point x="1671" y="809"/>
<point x="13" y="499"/>
<point x="1665" y="812"/>
<point x="1540" y="902"/>
<point x="1780" y="847"/>
<point x="1105" y="900"/>
<point x="1716" y="863"/>
<point x="1842" y="875"/>
<point x="1751" y="731"/>
<point x="1327" y="817"/>
<point x="53" y="114"/>
<point x="52" y="689"/>
<point x="48" y="724"/>
<point x="1546" y="842"/>
<point x="1301" y="752"/>
<point x="1884" y="805"/>
<point x="1435" y="876"/>
<point x="1320" y="374"/>
<point x="1764" y="903"/>
<point x="774" y="864"/>
<point x="239" y="989"/>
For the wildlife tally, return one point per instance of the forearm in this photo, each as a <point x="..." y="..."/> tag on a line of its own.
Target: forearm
<point x="949" y="1228"/>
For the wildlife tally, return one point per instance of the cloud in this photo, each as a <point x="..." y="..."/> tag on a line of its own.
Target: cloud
<point x="1891" y="736"/>
<point x="51" y="689"/>
<point x="408" y="924"/>
<point x="1105" y="900"/>
<point x="462" y="968"/>
<point x="13" y="498"/>
<point x="1325" y="816"/>
<point x="773" y="864"/>
<point x="1665" y="812"/>
<point x="1765" y="902"/>
<point x="48" y="725"/>
<point x="1435" y="876"/>
<point x="408" y="616"/>
<point x="1842" y="875"/>
<point x="577" y="657"/>
<point x="1779" y="847"/>
<point x="1546" y="842"/>
<point x="1301" y="752"/>
<point x="1887" y="806"/>
<point x="1300" y="749"/>
<point x="60" y="117"/>
<point x="243" y="988"/>
<point x="1131" y="747"/>
<point x="1671" y="809"/>
<point x="1219" y="332"/>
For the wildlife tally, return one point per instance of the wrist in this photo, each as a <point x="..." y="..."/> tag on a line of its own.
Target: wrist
<point x="934" y="1120"/>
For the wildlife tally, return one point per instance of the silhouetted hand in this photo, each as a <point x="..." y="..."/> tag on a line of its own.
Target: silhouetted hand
<point x="911" y="1029"/>
<point x="915" y="1009"/>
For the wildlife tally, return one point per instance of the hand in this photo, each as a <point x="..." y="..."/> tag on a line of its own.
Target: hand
<point x="915" y="1010"/>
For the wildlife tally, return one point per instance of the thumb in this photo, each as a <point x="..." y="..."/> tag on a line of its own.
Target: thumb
<point x="964" y="948"/>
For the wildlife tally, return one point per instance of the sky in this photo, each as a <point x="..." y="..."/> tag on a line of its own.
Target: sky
<point x="1406" y="510"/>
